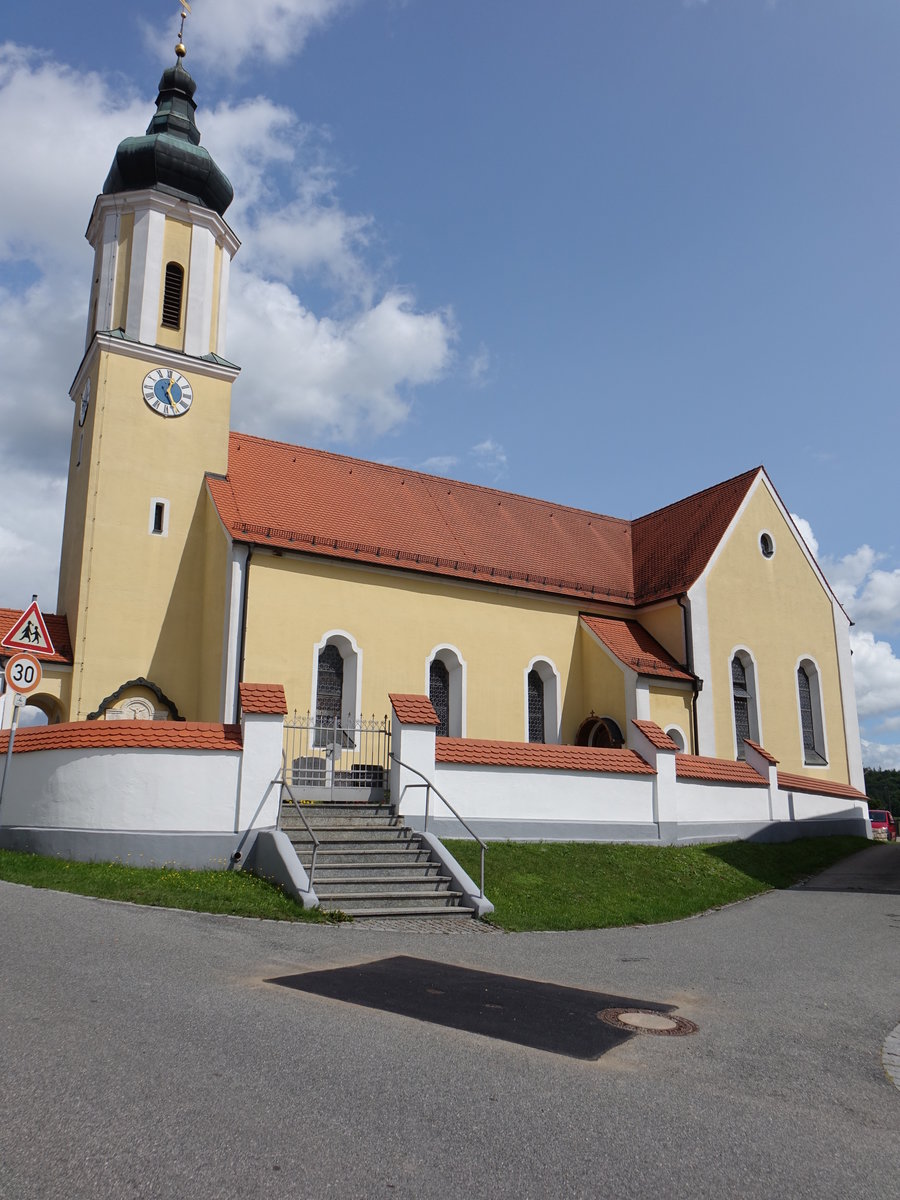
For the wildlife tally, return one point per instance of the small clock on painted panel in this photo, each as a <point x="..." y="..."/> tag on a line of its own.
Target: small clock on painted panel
<point x="167" y="392"/>
<point x="85" y="402"/>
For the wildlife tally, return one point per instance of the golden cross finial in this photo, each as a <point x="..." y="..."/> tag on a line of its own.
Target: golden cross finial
<point x="185" y="13"/>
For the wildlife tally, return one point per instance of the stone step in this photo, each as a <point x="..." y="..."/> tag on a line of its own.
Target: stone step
<point x="464" y="914"/>
<point x="413" y="887"/>
<point x="402" y="871"/>
<point x="290" y="821"/>
<point x="351" y="901"/>
<point x="384" y="856"/>
<point x="354" y="833"/>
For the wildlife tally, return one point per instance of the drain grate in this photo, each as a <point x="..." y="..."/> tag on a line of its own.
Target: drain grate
<point x="646" y="1020"/>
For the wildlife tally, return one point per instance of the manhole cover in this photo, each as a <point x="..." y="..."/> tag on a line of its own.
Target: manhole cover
<point x="646" y="1020"/>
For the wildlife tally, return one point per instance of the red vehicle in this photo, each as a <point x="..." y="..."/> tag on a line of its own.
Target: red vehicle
<point x="884" y="824"/>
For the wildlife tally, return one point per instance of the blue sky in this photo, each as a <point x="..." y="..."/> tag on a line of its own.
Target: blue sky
<point x="607" y="253"/>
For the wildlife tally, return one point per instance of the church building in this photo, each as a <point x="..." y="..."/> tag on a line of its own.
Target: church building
<point x="196" y="558"/>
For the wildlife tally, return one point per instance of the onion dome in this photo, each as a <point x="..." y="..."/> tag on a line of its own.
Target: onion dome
<point x="169" y="157"/>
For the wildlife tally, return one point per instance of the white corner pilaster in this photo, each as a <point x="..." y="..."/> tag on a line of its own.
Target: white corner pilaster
<point x="198" y="318"/>
<point x="222" y="310"/>
<point x="144" y="285"/>
<point x="848" y="698"/>
<point x="234" y="625"/>
<point x="107" y="265"/>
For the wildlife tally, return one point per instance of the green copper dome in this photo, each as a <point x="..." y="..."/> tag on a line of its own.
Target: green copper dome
<point x="169" y="157"/>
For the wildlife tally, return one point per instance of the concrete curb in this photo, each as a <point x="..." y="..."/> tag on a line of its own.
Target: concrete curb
<point x="890" y="1056"/>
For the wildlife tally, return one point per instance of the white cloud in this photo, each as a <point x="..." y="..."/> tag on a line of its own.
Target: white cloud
<point x="490" y="458"/>
<point x="806" y="533"/>
<point x="880" y="756"/>
<point x="438" y="464"/>
<point x="231" y="34"/>
<point x="478" y="366"/>
<point x="876" y="671"/>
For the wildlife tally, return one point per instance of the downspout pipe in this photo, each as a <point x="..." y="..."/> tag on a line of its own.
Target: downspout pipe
<point x="697" y="684"/>
<point x="244" y="600"/>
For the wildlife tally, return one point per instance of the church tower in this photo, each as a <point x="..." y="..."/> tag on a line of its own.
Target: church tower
<point x="140" y="576"/>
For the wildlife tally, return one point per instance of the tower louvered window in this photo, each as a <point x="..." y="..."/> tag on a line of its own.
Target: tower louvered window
<point x="439" y="695"/>
<point x="741" y="697"/>
<point x="329" y="687"/>
<point x="172" y="295"/>
<point x="535" y="707"/>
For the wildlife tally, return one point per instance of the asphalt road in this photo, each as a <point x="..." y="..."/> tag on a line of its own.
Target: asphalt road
<point x="143" y="1054"/>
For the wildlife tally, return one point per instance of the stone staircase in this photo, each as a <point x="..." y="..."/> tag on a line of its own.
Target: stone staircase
<point x="369" y="864"/>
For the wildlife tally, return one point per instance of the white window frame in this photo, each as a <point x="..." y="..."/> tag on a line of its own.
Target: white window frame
<point x="818" y="712"/>
<point x="546" y="668"/>
<point x="351" y="684"/>
<point x="456" y="671"/>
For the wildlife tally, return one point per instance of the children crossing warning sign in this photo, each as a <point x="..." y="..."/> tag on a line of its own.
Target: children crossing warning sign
<point x="29" y="633"/>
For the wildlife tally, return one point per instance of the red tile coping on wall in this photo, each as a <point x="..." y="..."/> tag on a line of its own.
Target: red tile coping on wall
<point x="263" y="698"/>
<point x="761" y="750"/>
<point x="632" y="645"/>
<point x="716" y="770"/>
<point x="138" y="735"/>
<point x="476" y="752"/>
<point x="315" y="502"/>
<point x="412" y="709"/>
<point x="57" y="627"/>
<point x="819" y="787"/>
<point x="655" y="735"/>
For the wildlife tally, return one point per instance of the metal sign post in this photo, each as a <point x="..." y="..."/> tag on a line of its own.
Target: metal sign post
<point x="23" y="676"/>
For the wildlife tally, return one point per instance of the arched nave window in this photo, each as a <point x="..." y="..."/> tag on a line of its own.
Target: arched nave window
<point x="812" y="728"/>
<point x="335" y="701"/>
<point x="541" y="701"/>
<point x="743" y="698"/>
<point x="446" y="680"/>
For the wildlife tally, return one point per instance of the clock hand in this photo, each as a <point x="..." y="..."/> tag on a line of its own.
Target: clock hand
<point x="169" y="392"/>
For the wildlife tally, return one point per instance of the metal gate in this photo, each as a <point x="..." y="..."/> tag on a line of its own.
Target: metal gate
<point x="337" y="760"/>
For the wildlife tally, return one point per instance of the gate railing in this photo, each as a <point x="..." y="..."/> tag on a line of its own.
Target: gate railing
<point x="322" y="756"/>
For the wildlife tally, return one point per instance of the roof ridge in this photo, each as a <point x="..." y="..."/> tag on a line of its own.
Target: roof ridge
<point x="441" y="479"/>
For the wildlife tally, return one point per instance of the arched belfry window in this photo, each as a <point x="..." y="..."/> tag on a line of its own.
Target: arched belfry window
<point x="439" y="695"/>
<point x="535" y="707"/>
<point x="746" y="722"/>
<point x="811" y="726"/>
<point x="173" y="290"/>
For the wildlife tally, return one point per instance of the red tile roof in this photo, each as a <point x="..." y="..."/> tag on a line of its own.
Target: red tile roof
<point x="761" y="750"/>
<point x="104" y="735"/>
<point x="655" y="735"/>
<point x="673" y="545"/>
<point x="57" y="627"/>
<point x="818" y="787"/>
<point x="716" y="770"/>
<point x="413" y="710"/>
<point x="331" y="505"/>
<point x="263" y="698"/>
<point x="632" y="645"/>
<point x="475" y="751"/>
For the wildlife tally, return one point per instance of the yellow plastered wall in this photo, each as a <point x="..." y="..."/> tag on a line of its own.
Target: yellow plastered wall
<point x="397" y="621"/>
<point x="603" y="684"/>
<point x="666" y="624"/>
<point x="217" y="549"/>
<point x="123" y="270"/>
<point x="176" y="248"/>
<point x="134" y="600"/>
<point x="777" y="609"/>
<point x="671" y="707"/>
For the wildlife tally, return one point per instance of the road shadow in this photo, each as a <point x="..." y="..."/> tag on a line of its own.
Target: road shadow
<point x="544" y="1016"/>
<point x="871" y="868"/>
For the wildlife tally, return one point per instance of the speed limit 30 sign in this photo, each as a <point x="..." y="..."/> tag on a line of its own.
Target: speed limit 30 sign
<point x="23" y="673"/>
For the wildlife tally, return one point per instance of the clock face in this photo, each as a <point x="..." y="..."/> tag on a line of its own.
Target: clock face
<point x="85" y="402"/>
<point x="167" y="392"/>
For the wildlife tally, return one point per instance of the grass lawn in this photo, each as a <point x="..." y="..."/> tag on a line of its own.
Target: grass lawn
<point x="584" y="885"/>
<point x="233" y="892"/>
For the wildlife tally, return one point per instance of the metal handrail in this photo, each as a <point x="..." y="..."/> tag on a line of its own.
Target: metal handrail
<point x="429" y="787"/>
<point x="286" y="787"/>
